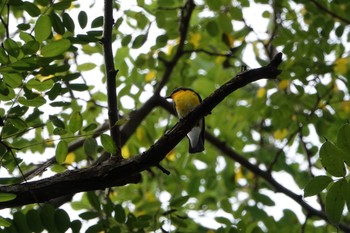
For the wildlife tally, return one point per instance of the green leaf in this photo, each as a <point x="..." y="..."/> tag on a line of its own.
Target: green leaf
<point x="126" y="40"/>
<point x="3" y="56"/>
<point x="11" y="47"/>
<point x="93" y="200"/>
<point x="68" y="22"/>
<point x="31" y="9"/>
<point x="143" y="221"/>
<point x="343" y="141"/>
<point x="7" y="197"/>
<point x="31" y="47"/>
<point x="347" y="195"/>
<point x="13" y="79"/>
<point x="89" y="215"/>
<point x="63" y="5"/>
<point x="76" y="226"/>
<point x="226" y="205"/>
<point x="55" y="91"/>
<point x="119" y="213"/>
<point x="55" y="48"/>
<point x="60" y="104"/>
<point x="57" y="121"/>
<point x="162" y="40"/>
<point x="139" y="41"/>
<point x="20" y="222"/>
<point x="223" y="220"/>
<point x="61" y="152"/>
<point x="57" y="24"/>
<point x="35" y="102"/>
<point x="17" y="122"/>
<point x="121" y="121"/>
<point x="180" y="201"/>
<point x="82" y="19"/>
<point x="75" y="122"/>
<point x="108" y="143"/>
<point x="335" y="201"/>
<point x="141" y="20"/>
<point x="225" y="23"/>
<point x="47" y="216"/>
<point x="90" y="146"/>
<point x="4" y="222"/>
<point x="90" y="127"/>
<point x="78" y="86"/>
<point x="34" y="221"/>
<point x="23" y="26"/>
<point x="316" y="185"/>
<point x="263" y="199"/>
<point x="97" y="22"/>
<point x="332" y="159"/>
<point x="213" y="5"/>
<point x="62" y="220"/>
<point x="39" y="86"/>
<point x="59" y="131"/>
<point x="212" y="28"/>
<point x="86" y="66"/>
<point x="42" y="29"/>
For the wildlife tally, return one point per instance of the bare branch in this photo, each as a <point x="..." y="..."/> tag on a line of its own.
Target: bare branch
<point x="111" y="75"/>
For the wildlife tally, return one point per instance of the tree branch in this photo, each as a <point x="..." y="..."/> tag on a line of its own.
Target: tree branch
<point x="111" y="75"/>
<point x="186" y="13"/>
<point x="331" y="13"/>
<point x="115" y="172"/>
<point x="266" y="175"/>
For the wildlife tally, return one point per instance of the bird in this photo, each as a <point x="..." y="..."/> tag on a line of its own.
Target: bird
<point x="185" y="100"/>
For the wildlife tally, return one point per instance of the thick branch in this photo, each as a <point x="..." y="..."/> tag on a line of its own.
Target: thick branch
<point x="116" y="173"/>
<point x="111" y="73"/>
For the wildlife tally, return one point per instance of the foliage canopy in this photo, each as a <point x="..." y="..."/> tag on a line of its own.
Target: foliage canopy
<point x="288" y="135"/>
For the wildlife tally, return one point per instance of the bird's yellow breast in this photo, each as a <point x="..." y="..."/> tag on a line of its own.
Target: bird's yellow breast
<point x="185" y="101"/>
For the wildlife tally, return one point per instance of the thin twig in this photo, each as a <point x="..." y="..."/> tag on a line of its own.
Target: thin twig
<point x="331" y="13"/>
<point x="186" y="13"/>
<point x="111" y="75"/>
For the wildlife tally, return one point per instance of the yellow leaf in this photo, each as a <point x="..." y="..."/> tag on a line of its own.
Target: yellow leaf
<point x="57" y="37"/>
<point x="261" y="92"/>
<point x="49" y="142"/>
<point x="150" y="196"/>
<point x="283" y="84"/>
<point x="44" y="78"/>
<point x="172" y="45"/>
<point x="150" y="76"/>
<point x="346" y="106"/>
<point x="140" y="134"/>
<point x="280" y="134"/>
<point x="70" y="158"/>
<point x="239" y="174"/>
<point x="171" y="156"/>
<point x="195" y="39"/>
<point x="321" y="105"/>
<point x="228" y="39"/>
<point x="341" y="65"/>
<point x="125" y="152"/>
<point x="220" y="59"/>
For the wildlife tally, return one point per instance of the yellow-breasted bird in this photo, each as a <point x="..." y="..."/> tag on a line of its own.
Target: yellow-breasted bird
<point x="185" y="100"/>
